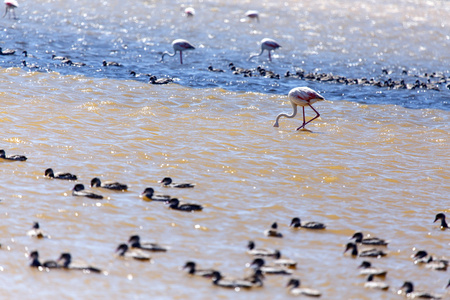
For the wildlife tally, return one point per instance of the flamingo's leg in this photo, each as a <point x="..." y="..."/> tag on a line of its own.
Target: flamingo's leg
<point x="317" y="115"/>
<point x="181" y="57"/>
<point x="270" y="58"/>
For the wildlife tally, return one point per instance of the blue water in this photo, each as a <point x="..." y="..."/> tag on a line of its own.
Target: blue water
<point x="351" y="44"/>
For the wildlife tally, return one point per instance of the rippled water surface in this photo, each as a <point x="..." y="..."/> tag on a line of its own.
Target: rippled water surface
<point x="376" y="161"/>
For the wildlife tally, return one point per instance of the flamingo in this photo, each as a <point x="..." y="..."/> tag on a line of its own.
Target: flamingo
<point x="301" y="96"/>
<point x="189" y="11"/>
<point x="267" y="44"/>
<point x="252" y="14"/>
<point x="10" y="6"/>
<point x="179" y="45"/>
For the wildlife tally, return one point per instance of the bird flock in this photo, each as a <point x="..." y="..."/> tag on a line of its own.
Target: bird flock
<point x="265" y="262"/>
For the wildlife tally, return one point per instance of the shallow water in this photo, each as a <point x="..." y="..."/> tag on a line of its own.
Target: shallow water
<point x="366" y="165"/>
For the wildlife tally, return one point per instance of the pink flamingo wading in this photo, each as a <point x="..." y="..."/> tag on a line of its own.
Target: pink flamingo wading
<point x="301" y="96"/>
<point x="179" y="45"/>
<point x="10" y="6"/>
<point x="267" y="44"/>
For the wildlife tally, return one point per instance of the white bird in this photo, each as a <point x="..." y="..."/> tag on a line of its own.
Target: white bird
<point x="11" y="5"/>
<point x="301" y="96"/>
<point x="252" y="14"/>
<point x="179" y="45"/>
<point x="189" y="11"/>
<point x="267" y="44"/>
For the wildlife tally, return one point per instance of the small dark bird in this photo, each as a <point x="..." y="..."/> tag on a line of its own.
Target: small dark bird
<point x="296" y="223"/>
<point x="365" y="253"/>
<point x="12" y="157"/>
<point x="124" y="251"/>
<point x="149" y="195"/>
<point x="67" y="264"/>
<point x="167" y="182"/>
<point x="154" y="80"/>
<point x="78" y="190"/>
<point x="174" y="203"/>
<point x="441" y="216"/>
<point x="64" y="176"/>
<point x="111" y="64"/>
<point x="273" y="231"/>
<point x="135" y="242"/>
<point x="358" y="236"/>
<point x="7" y="51"/>
<point x="191" y="269"/>
<point x="35" y="263"/>
<point x="95" y="182"/>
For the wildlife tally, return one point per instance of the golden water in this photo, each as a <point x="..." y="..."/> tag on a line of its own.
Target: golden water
<point x="380" y="169"/>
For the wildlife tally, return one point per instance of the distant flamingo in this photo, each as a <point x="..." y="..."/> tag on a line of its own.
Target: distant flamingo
<point x="10" y="6"/>
<point x="189" y="11"/>
<point x="179" y="45"/>
<point x="301" y="96"/>
<point x="252" y="14"/>
<point x="267" y="44"/>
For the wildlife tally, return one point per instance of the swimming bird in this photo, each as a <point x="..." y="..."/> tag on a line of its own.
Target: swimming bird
<point x="294" y="289"/>
<point x="66" y="259"/>
<point x="301" y="96"/>
<point x="111" y="64"/>
<point x="211" y="69"/>
<point x="167" y="182"/>
<point x="174" y="203"/>
<point x="25" y="54"/>
<point x="367" y="269"/>
<point x="36" y="231"/>
<point x="124" y="251"/>
<point x="273" y="231"/>
<point x="55" y="57"/>
<point x="191" y="269"/>
<point x="149" y="195"/>
<point x="12" y="157"/>
<point x="95" y="182"/>
<point x="364" y="253"/>
<point x="7" y="51"/>
<point x="10" y="6"/>
<point x="35" y="263"/>
<point x="267" y="44"/>
<point x="260" y="264"/>
<point x="259" y="251"/>
<point x="134" y="74"/>
<point x="284" y="262"/>
<point x="179" y="45"/>
<point x="64" y="176"/>
<point x="219" y="280"/>
<point x="296" y="223"/>
<point x="135" y="242"/>
<point x="252" y="15"/>
<point x="32" y="66"/>
<point x="374" y="241"/>
<point x="430" y="262"/>
<point x="78" y="190"/>
<point x="378" y="285"/>
<point x="441" y="216"/>
<point x="154" y="80"/>
<point x="408" y="289"/>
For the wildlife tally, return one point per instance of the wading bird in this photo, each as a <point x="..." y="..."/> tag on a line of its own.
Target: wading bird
<point x="267" y="44"/>
<point x="10" y="5"/>
<point x="301" y="96"/>
<point x="179" y="45"/>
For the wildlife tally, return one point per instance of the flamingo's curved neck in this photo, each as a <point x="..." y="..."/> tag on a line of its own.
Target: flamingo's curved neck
<point x="167" y="53"/>
<point x="294" y="113"/>
<point x="255" y="55"/>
